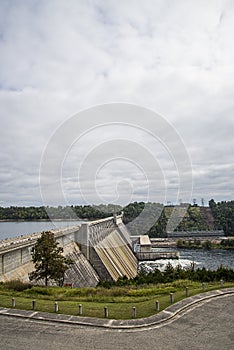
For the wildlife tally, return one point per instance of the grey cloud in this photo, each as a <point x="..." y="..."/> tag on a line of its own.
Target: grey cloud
<point x="58" y="57"/>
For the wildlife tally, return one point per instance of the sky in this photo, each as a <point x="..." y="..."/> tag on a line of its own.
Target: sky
<point x="60" y="58"/>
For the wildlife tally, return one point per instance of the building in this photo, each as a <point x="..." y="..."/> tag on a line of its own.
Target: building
<point x="145" y="244"/>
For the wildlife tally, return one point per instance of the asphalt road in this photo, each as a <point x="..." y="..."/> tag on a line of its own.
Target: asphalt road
<point x="209" y="326"/>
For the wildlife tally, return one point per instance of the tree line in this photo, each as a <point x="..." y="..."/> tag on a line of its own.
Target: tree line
<point x="227" y="244"/>
<point x="72" y="212"/>
<point x="223" y="213"/>
<point x="171" y="274"/>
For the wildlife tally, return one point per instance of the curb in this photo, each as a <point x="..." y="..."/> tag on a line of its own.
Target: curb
<point x="160" y="318"/>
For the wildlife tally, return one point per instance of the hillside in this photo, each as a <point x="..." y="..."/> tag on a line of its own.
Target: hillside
<point x="196" y="219"/>
<point x="216" y="216"/>
<point x="223" y="213"/>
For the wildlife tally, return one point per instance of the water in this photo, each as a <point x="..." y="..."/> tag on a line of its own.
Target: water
<point x="210" y="259"/>
<point x="16" y="229"/>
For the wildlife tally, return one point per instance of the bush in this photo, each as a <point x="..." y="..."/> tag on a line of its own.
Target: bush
<point x="17" y="285"/>
<point x="49" y="291"/>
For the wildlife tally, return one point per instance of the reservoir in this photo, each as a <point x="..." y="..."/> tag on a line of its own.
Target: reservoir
<point x="11" y="229"/>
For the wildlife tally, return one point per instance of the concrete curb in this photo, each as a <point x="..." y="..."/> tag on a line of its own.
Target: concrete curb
<point x="160" y="318"/>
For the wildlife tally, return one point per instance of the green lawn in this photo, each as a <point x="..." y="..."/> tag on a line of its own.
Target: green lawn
<point x="119" y="300"/>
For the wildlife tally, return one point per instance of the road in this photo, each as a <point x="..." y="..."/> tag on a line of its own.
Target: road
<point x="207" y="327"/>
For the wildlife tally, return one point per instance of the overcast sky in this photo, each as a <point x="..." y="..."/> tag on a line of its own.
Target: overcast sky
<point x="59" y="57"/>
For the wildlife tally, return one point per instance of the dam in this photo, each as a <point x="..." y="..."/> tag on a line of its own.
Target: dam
<point x="101" y="250"/>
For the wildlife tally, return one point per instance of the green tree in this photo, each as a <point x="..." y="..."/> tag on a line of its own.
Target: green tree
<point x="169" y="273"/>
<point x="49" y="262"/>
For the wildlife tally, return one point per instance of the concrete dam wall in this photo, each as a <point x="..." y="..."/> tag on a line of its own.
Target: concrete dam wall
<point x="100" y="250"/>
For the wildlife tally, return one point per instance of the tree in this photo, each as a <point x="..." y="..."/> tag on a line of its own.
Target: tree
<point x="49" y="262"/>
<point x="169" y="273"/>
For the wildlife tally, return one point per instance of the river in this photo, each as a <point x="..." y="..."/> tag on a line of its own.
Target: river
<point x="209" y="259"/>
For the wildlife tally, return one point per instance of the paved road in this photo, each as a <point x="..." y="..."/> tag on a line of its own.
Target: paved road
<point x="209" y="326"/>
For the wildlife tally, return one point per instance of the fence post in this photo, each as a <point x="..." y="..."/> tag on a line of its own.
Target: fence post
<point x="80" y="311"/>
<point x="34" y="305"/>
<point x="187" y="291"/>
<point x="106" y="312"/>
<point x="56" y="308"/>
<point x="157" y="305"/>
<point x="172" y="298"/>
<point x="134" y="312"/>
<point x="13" y="302"/>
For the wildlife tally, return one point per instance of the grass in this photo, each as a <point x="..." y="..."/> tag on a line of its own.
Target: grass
<point x="119" y="300"/>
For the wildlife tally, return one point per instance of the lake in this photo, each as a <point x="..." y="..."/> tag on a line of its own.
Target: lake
<point x="13" y="229"/>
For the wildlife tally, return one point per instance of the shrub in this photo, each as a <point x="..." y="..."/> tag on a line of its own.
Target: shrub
<point x="43" y="290"/>
<point x="17" y="285"/>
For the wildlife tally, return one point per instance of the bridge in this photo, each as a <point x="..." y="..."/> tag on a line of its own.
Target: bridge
<point x="100" y="250"/>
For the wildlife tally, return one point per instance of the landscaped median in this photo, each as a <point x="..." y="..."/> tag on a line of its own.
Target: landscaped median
<point x="121" y="302"/>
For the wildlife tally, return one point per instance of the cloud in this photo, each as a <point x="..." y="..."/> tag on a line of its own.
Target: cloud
<point x="59" y="57"/>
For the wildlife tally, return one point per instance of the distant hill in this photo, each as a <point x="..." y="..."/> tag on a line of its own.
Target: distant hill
<point x="217" y="216"/>
<point x="197" y="219"/>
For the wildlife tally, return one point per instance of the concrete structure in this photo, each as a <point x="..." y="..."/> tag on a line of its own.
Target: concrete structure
<point x="100" y="250"/>
<point x="145" y="244"/>
<point x="147" y="256"/>
<point x="107" y="245"/>
<point x="143" y="250"/>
